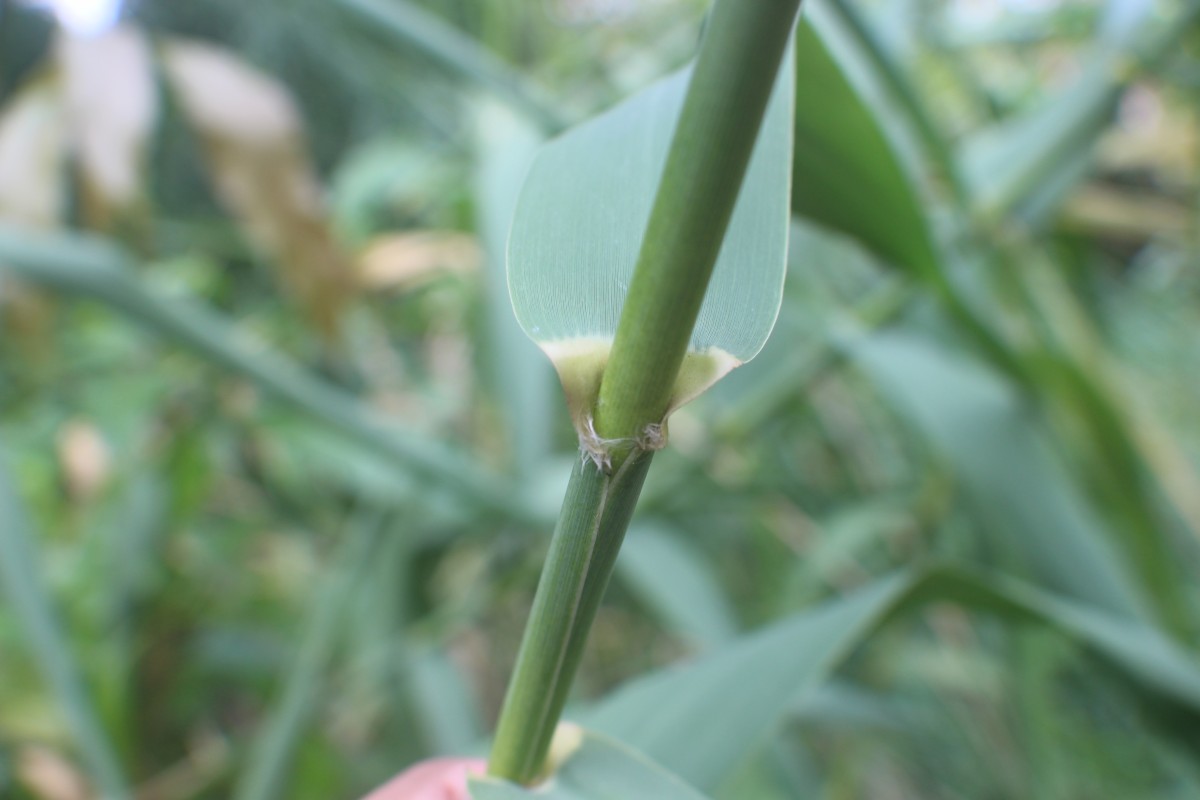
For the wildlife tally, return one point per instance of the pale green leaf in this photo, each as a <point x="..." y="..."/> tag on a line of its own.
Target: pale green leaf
<point x="701" y="720"/>
<point x="443" y="699"/>
<point x="1035" y="516"/>
<point x="582" y="214"/>
<point x="667" y="573"/>
<point x="1020" y="160"/>
<point x="597" y="768"/>
<point x="505" y="146"/>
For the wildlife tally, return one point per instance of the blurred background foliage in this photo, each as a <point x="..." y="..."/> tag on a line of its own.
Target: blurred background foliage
<point x="278" y="468"/>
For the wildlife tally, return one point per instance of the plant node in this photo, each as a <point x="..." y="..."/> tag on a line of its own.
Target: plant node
<point x="600" y="451"/>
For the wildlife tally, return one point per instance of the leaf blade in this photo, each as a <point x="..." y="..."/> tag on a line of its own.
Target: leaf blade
<point x="35" y="613"/>
<point x="580" y="220"/>
<point x="598" y="767"/>
<point x="668" y="715"/>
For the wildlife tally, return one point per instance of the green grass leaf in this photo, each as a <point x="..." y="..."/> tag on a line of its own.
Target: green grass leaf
<point x="1036" y="518"/>
<point x="582" y="215"/>
<point x="91" y="267"/>
<point x="443" y="699"/>
<point x="597" y="768"/>
<point x="703" y="719"/>
<point x="667" y="573"/>
<point x="849" y="174"/>
<point x="20" y="576"/>
<point x="504" y="149"/>
<point x="1028" y="164"/>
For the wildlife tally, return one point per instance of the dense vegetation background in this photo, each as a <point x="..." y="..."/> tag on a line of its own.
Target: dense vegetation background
<point x="278" y="469"/>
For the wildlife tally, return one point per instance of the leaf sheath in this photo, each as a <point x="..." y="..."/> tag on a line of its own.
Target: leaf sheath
<point x="595" y="516"/>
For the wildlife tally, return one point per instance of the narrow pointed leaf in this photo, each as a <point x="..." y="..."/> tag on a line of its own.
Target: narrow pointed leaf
<point x="849" y="174"/>
<point x="1025" y="501"/>
<point x="33" y="610"/>
<point x="703" y="719"/>
<point x="1028" y="164"/>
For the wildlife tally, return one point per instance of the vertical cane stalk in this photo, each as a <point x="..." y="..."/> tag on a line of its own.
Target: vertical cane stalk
<point x="735" y="70"/>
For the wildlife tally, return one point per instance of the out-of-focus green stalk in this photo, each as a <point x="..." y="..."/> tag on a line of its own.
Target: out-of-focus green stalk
<point x="33" y="611"/>
<point x="270" y="765"/>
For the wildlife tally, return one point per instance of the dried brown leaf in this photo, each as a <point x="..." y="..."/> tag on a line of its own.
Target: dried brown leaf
<point x="404" y="260"/>
<point x="226" y="98"/>
<point x="84" y="459"/>
<point x="32" y="155"/>
<point x="260" y="167"/>
<point x="1155" y="134"/>
<point x="49" y="775"/>
<point x="26" y="317"/>
<point x="1126" y="214"/>
<point x="111" y="108"/>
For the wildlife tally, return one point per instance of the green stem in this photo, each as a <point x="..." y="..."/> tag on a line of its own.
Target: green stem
<point x="735" y="71"/>
<point x="595" y="515"/>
